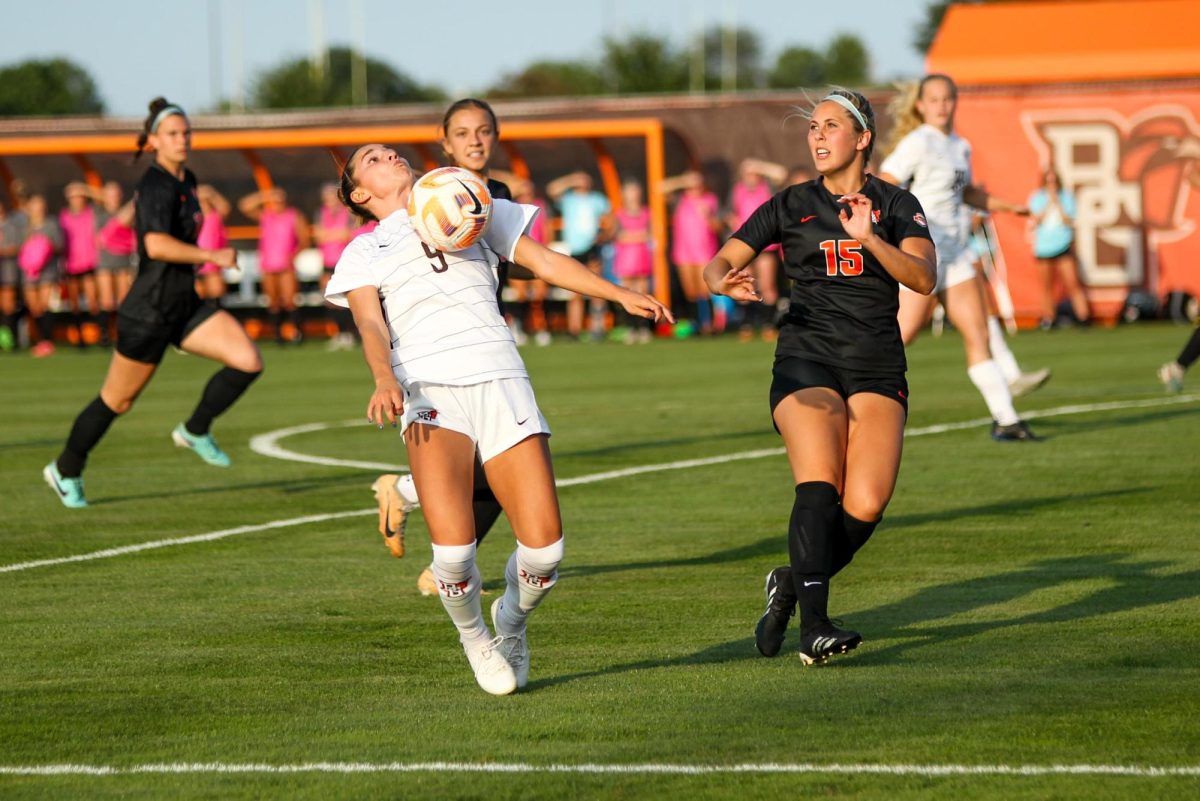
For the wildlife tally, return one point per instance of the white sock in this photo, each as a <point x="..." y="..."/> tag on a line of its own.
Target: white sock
<point x="988" y="379"/>
<point x="531" y="574"/>
<point x="458" y="583"/>
<point x="1000" y="352"/>
<point x="408" y="489"/>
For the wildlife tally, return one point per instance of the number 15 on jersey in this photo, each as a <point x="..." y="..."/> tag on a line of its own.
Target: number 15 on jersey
<point x="842" y="257"/>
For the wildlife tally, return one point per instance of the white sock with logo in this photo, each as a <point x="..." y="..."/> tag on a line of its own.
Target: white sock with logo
<point x="530" y="574"/>
<point x="988" y="379"/>
<point x="1001" y="354"/>
<point x="458" y="583"/>
<point x="408" y="489"/>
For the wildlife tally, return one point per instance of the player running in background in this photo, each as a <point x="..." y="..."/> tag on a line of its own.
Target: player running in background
<point x="934" y="163"/>
<point x="161" y="309"/>
<point x="1171" y="373"/>
<point x="838" y="393"/>
<point x="470" y="132"/>
<point x="445" y="364"/>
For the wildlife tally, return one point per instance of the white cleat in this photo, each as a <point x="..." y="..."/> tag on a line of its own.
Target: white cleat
<point x="514" y="647"/>
<point x="1028" y="382"/>
<point x="1171" y="376"/>
<point x="492" y="670"/>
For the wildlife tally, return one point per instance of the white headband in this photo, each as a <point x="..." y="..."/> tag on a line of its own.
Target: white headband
<point x="162" y="115"/>
<point x="846" y="104"/>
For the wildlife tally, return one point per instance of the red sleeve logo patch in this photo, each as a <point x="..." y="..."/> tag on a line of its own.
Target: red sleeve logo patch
<point x="919" y="219"/>
<point x="876" y="215"/>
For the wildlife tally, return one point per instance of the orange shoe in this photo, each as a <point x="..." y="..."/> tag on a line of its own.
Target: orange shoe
<point x="426" y="583"/>
<point x="393" y="513"/>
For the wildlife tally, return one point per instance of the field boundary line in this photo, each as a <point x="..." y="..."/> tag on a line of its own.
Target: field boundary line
<point x="592" y="478"/>
<point x="1143" y="771"/>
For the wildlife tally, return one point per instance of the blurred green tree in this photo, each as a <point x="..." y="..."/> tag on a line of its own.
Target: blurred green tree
<point x="797" y="67"/>
<point x="551" y="79"/>
<point x="299" y="83"/>
<point x="643" y="63"/>
<point x="847" y="62"/>
<point x="47" y="87"/>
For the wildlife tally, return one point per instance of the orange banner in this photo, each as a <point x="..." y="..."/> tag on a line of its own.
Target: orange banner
<point x="1131" y="156"/>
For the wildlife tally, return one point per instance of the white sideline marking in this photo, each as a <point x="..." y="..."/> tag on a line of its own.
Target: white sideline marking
<point x="276" y="451"/>
<point x="592" y="768"/>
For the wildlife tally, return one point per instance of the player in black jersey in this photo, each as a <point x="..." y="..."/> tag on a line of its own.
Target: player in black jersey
<point x="161" y="309"/>
<point x="838" y="394"/>
<point x="469" y="132"/>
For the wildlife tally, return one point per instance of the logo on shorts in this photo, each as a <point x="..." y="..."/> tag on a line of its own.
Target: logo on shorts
<point x="427" y="415"/>
<point x="919" y="219"/>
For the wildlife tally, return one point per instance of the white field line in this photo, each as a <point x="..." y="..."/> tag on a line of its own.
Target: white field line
<point x="592" y="768"/>
<point x="566" y="482"/>
<point x="268" y="445"/>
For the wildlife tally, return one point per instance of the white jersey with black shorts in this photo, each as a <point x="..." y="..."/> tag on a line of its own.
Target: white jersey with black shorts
<point x="936" y="168"/>
<point x="452" y="351"/>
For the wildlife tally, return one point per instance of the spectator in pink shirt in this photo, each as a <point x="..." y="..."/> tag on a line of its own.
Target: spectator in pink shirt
<point x="633" y="261"/>
<point x="118" y="244"/>
<point x="210" y="280"/>
<point x="332" y="228"/>
<point x="756" y="184"/>
<point x="78" y="223"/>
<point x="282" y="234"/>
<point x="694" y="228"/>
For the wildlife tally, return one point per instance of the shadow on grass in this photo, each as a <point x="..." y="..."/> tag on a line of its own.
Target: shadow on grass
<point x="286" y="486"/>
<point x="1133" y="585"/>
<point x="724" y="653"/>
<point x="1064" y="425"/>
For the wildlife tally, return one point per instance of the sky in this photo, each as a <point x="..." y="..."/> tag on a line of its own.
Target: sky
<point x="198" y="51"/>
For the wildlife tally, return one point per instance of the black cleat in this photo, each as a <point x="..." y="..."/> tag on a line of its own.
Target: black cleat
<point x="1016" y="432"/>
<point x="825" y="641"/>
<point x="781" y="605"/>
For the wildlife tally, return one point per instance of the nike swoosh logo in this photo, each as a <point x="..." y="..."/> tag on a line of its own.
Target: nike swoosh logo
<point x="810" y="583"/>
<point x="57" y="488"/>
<point x="809" y="217"/>
<point x="478" y="206"/>
<point x="522" y="422"/>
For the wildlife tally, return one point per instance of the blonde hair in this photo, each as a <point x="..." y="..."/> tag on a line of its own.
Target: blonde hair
<point x="903" y="108"/>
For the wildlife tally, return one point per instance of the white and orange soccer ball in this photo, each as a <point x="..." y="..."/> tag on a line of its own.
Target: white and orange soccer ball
<point x="450" y="208"/>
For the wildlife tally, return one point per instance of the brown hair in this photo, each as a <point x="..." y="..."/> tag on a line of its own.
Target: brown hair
<point x="469" y="102"/>
<point x="346" y="187"/>
<point x="859" y="102"/>
<point x="903" y="107"/>
<point x="148" y="126"/>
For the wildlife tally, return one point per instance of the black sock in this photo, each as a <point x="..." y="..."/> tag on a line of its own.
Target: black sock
<point x="344" y="319"/>
<point x="45" y="328"/>
<point x="855" y="534"/>
<point x="816" y="515"/>
<point x="277" y="318"/>
<point x="88" y="429"/>
<point x="105" y="322"/>
<point x="225" y="387"/>
<point x="1190" y="351"/>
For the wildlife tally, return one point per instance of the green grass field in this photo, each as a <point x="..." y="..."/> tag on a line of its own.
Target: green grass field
<point x="1024" y="606"/>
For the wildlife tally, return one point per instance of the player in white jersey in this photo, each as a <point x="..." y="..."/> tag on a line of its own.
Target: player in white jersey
<point x="445" y="364"/>
<point x="934" y="163"/>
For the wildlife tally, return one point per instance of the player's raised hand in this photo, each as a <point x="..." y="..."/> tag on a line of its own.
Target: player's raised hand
<point x="387" y="403"/>
<point x="856" y="217"/>
<point x="738" y="284"/>
<point x="646" y="306"/>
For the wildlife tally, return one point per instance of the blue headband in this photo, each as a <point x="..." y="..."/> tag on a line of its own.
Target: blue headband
<point x="846" y="104"/>
<point x="162" y="115"/>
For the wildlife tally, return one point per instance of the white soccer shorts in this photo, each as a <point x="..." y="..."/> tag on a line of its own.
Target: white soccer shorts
<point x="496" y="414"/>
<point x="956" y="266"/>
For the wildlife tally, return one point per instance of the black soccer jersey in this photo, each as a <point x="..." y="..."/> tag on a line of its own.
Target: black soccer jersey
<point x="163" y="292"/>
<point x="843" y="302"/>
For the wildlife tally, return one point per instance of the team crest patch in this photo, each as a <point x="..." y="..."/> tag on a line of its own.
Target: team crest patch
<point x="919" y="219"/>
<point x="876" y="215"/>
<point x="427" y="415"/>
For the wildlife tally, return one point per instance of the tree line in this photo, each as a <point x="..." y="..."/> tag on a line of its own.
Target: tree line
<point x="722" y="59"/>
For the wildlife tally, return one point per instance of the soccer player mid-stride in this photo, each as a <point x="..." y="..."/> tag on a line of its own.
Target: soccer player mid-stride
<point x="838" y="393"/>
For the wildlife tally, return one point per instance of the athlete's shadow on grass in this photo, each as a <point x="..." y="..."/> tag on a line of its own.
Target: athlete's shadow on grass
<point x="912" y="622"/>
<point x="1061" y="426"/>
<point x="285" y="486"/>
<point x="724" y="653"/>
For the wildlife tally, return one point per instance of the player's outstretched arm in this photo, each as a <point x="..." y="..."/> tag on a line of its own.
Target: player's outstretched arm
<point x="727" y="273"/>
<point x="387" y="401"/>
<point x="555" y="268"/>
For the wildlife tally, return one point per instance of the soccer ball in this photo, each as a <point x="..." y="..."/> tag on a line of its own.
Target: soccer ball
<point x="450" y="208"/>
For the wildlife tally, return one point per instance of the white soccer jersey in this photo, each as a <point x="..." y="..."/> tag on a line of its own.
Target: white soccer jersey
<point x="440" y="307"/>
<point x="936" y="168"/>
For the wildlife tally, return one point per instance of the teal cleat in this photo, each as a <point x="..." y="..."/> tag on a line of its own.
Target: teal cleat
<point x="68" y="490"/>
<point x="204" y="446"/>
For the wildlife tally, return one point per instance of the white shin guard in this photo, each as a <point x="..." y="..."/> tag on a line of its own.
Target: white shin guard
<point x="458" y="583"/>
<point x="530" y="574"/>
